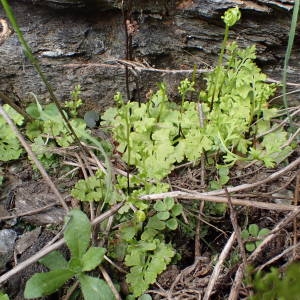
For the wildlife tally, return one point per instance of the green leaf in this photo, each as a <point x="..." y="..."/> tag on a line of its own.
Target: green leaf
<point x="43" y="284"/>
<point x="145" y="297"/>
<point x="94" y="288"/>
<point x="250" y="247"/>
<point x="169" y="202"/>
<point x="149" y="234"/>
<point x="172" y="224"/>
<point x="33" y="111"/>
<point x="245" y="234"/>
<point x="176" y="210"/>
<point x="163" y="215"/>
<point x="4" y="296"/>
<point x="253" y="230"/>
<point x="263" y="232"/>
<point x="77" y="233"/>
<point x="54" y="261"/>
<point x="160" y="206"/>
<point x="128" y="233"/>
<point x="75" y="265"/>
<point x="155" y="223"/>
<point x="92" y="258"/>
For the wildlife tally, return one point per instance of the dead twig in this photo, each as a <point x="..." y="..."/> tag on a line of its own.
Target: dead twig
<point x="218" y="199"/>
<point x="34" y="158"/>
<point x="234" y="292"/>
<point x="218" y="266"/>
<point x="34" y="258"/>
<point x="295" y="225"/>
<point x="110" y="283"/>
<point x="27" y="213"/>
<point x="283" y="253"/>
<point x="200" y="196"/>
<point x="237" y="230"/>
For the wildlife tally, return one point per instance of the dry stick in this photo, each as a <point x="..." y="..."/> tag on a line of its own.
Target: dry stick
<point x="234" y="292"/>
<point x="238" y="188"/>
<point x="87" y="165"/>
<point x="54" y="246"/>
<point x="237" y="283"/>
<point x="34" y="158"/>
<point x="110" y="283"/>
<point x="27" y="213"/>
<point x="115" y="265"/>
<point x="217" y="199"/>
<point x="273" y="259"/>
<point x="236" y="228"/>
<point x="286" y="120"/>
<point x="218" y="266"/>
<point x="201" y="205"/>
<point x="12" y="104"/>
<point x="288" y="219"/>
<point x="71" y="290"/>
<point x="296" y="202"/>
<point x="290" y="140"/>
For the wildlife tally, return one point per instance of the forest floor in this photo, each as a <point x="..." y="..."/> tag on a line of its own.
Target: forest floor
<point x="212" y="255"/>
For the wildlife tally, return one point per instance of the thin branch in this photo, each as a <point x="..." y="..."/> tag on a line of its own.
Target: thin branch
<point x="218" y="199"/>
<point x="234" y="292"/>
<point x="34" y="158"/>
<point x="28" y="213"/>
<point x="110" y="283"/>
<point x="246" y="186"/>
<point x="34" y="258"/>
<point x="217" y="268"/>
<point x="236" y="228"/>
<point x="283" y="253"/>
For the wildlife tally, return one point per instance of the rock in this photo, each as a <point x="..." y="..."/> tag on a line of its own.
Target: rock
<point x="7" y="242"/>
<point x="16" y="284"/>
<point x="27" y="240"/>
<point x="33" y="195"/>
<point x="82" y="43"/>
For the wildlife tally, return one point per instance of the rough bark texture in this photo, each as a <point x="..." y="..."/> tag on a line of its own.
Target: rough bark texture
<point x="79" y="42"/>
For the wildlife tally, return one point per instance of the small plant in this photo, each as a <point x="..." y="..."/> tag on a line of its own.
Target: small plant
<point x="9" y="144"/>
<point x="255" y="233"/>
<point x="276" y="285"/>
<point x="83" y="259"/>
<point x="75" y="101"/>
<point x="3" y="296"/>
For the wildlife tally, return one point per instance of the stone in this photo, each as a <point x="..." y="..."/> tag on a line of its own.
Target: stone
<point x="7" y="242"/>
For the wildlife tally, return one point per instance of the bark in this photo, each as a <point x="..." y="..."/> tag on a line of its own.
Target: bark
<point x="80" y="42"/>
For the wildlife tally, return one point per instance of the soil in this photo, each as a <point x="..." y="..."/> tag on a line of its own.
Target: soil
<point x="186" y="278"/>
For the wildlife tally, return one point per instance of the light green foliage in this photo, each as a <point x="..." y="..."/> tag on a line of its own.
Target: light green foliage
<point x="9" y="144"/>
<point x="48" y="130"/>
<point x="254" y="232"/>
<point x="49" y="123"/>
<point x="146" y="260"/>
<point x="95" y="188"/>
<point x="83" y="258"/>
<point x="231" y="16"/>
<point x="75" y="101"/>
<point x="90" y="189"/>
<point x="156" y="135"/>
<point x="3" y="296"/>
<point x="276" y="285"/>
